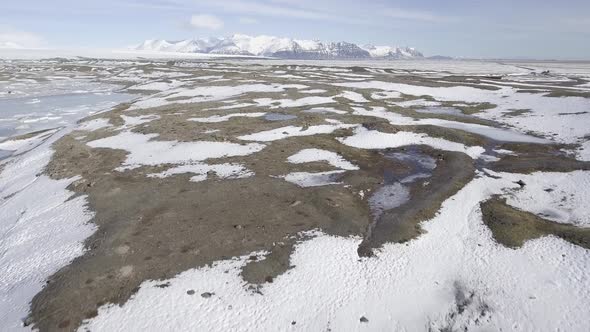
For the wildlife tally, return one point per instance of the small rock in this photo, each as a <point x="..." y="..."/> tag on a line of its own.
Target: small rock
<point x="294" y="204"/>
<point x="190" y="292"/>
<point x="293" y="322"/>
<point x="206" y="295"/>
<point x="238" y="226"/>
<point x="520" y="183"/>
<point x="27" y="321"/>
<point x="364" y="319"/>
<point x="548" y="190"/>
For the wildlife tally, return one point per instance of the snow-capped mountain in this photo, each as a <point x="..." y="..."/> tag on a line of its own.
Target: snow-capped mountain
<point x="392" y="52"/>
<point x="285" y="48"/>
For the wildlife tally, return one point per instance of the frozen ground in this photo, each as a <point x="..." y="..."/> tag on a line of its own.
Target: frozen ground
<point x="235" y="195"/>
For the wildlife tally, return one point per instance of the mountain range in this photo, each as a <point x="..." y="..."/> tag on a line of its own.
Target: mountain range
<point x="284" y="48"/>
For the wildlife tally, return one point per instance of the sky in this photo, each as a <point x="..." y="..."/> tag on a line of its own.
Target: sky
<point x="542" y="29"/>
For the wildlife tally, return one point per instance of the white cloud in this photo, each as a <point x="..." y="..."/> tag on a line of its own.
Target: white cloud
<point x="11" y="38"/>
<point x="281" y="8"/>
<point x="271" y="10"/>
<point x="206" y="22"/>
<point x="248" y="20"/>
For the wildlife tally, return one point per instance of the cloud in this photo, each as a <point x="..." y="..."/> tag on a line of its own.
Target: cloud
<point x="248" y="20"/>
<point x="413" y="15"/>
<point x="281" y="8"/>
<point x="12" y="38"/>
<point x="206" y="22"/>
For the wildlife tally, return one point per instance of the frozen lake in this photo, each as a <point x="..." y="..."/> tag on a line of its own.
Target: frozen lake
<point x="28" y="114"/>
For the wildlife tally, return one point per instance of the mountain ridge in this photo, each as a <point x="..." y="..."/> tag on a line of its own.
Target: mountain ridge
<point x="279" y="47"/>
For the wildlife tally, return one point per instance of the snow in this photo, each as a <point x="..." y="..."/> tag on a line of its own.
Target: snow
<point x="307" y="179"/>
<point x="42" y="228"/>
<point x="583" y="153"/>
<point x="411" y="286"/>
<point x="353" y="96"/>
<point x="208" y="77"/>
<point x="223" y="171"/>
<point x="504" y="151"/>
<point x="144" y="150"/>
<point x="372" y="139"/>
<point x="313" y="91"/>
<point x="19" y="146"/>
<point x="308" y="44"/>
<point x="132" y="121"/>
<point x="561" y="197"/>
<point x="262" y="45"/>
<point x="94" y="124"/>
<point x="499" y="134"/>
<point x="311" y="155"/>
<point x="42" y="224"/>
<point x="387" y="51"/>
<point x="293" y="131"/>
<point x="545" y="119"/>
<point x="222" y="118"/>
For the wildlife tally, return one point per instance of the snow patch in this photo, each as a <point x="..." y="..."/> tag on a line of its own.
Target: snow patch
<point x="372" y="139"/>
<point x="143" y="150"/>
<point x="311" y="155"/>
<point x="293" y="131"/>
<point x="223" y="171"/>
<point x="306" y="179"/>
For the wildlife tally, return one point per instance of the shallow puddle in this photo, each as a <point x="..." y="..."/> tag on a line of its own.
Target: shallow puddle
<point x="394" y="193"/>
<point x="419" y="164"/>
<point x="388" y="197"/>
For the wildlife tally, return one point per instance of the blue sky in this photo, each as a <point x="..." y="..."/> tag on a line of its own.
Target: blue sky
<point x="470" y="28"/>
